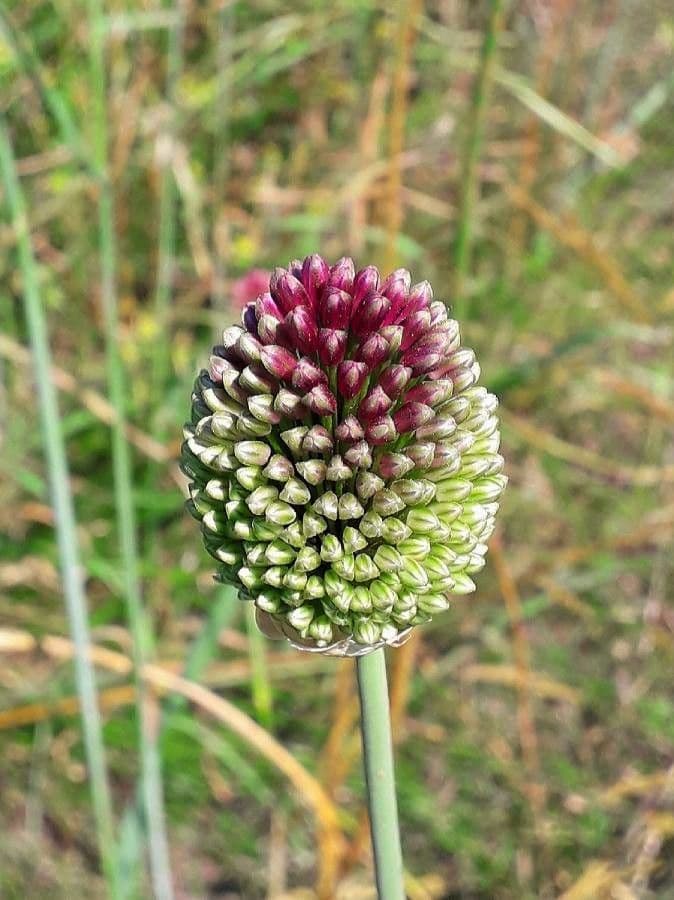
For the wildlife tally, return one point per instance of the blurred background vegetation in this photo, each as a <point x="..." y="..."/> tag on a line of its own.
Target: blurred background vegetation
<point x="519" y="156"/>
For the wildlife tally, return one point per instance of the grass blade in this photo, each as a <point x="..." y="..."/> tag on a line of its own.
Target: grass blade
<point x="73" y="587"/>
<point x="469" y="186"/>
<point x="121" y="462"/>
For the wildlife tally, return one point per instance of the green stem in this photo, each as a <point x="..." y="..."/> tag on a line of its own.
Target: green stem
<point x="260" y="682"/>
<point x="379" y="774"/>
<point x="469" y="181"/>
<point x="139" y="625"/>
<point x="66" y="534"/>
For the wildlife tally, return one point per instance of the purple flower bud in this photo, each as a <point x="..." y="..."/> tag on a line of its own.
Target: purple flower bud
<point x="249" y="318"/>
<point x="394" y="465"/>
<point x="393" y="334"/>
<point x="351" y="377"/>
<point x="295" y="268"/>
<point x="342" y="274"/>
<point x="349" y="430"/>
<point x="287" y="290"/>
<point x="421" y="454"/>
<point x="396" y="288"/>
<point x="365" y="282"/>
<point x="314" y="276"/>
<point x="249" y="347"/>
<point x="320" y="400"/>
<point x="394" y="379"/>
<point x="416" y="326"/>
<point x="317" y="440"/>
<point x="421" y="359"/>
<point x="430" y="392"/>
<point x="279" y="361"/>
<point x="331" y="346"/>
<point x="438" y="312"/>
<point x="373" y="351"/>
<point x="302" y="329"/>
<point x="420" y="297"/>
<point x="307" y="375"/>
<point x="411" y="416"/>
<point x="265" y="305"/>
<point x="373" y="406"/>
<point x="217" y="366"/>
<point x="335" y="308"/>
<point x="381" y="431"/>
<point x="268" y="328"/>
<point x="289" y="404"/>
<point x="359" y="455"/>
<point x="369" y="315"/>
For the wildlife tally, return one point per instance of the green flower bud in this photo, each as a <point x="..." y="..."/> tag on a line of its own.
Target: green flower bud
<point x="353" y="540"/>
<point x="394" y="531"/>
<point x="387" y="559"/>
<point x="296" y="492"/>
<point x="362" y="601"/>
<point x="387" y="503"/>
<point x="313" y="471"/>
<point x="278" y="468"/>
<point x="252" y="453"/>
<point x="301" y="617"/>
<point x="365" y="631"/>
<point x="313" y="524"/>
<point x="365" y="568"/>
<point x="269" y="601"/>
<point x="280" y="554"/>
<point x="413" y="575"/>
<point x="280" y="513"/>
<point x="345" y="567"/>
<point x="294" y="535"/>
<point x="321" y="631"/>
<point x="349" y="507"/>
<point x="251" y="578"/>
<point x="422" y="521"/>
<point x="308" y="559"/>
<point x="372" y="524"/>
<point x="327" y="505"/>
<point x="273" y="576"/>
<point x="331" y="548"/>
<point x="315" y="588"/>
<point x="259" y="500"/>
<point x="417" y="547"/>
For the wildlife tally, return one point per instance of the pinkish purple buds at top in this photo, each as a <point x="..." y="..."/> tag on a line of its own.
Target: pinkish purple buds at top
<point x="349" y="430"/>
<point x="350" y="378"/>
<point x="375" y="403"/>
<point x="417" y="324"/>
<point x="394" y="465"/>
<point x="380" y="431"/>
<point x="331" y="346"/>
<point x="287" y="290"/>
<point x="278" y="361"/>
<point x="334" y="308"/>
<point x="420" y="297"/>
<point x="369" y="315"/>
<point x="393" y="335"/>
<point x="314" y="275"/>
<point x="365" y="282"/>
<point x="320" y="400"/>
<point x="269" y="330"/>
<point x="432" y="393"/>
<point x="396" y="288"/>
<point x="359" y="455"/>
<point x="265" y="305"/>
<point x="342" y="274"/>
<point x="394" y="379"/>
<point x="351" y="531"/>
<point x="373" y="351"/>
<point x="411" y="416"/>
<point x="422" y="360"/>
<point x="307" y="375"/>
<point x="249" y="318"/>
<point x="300" y="325"/>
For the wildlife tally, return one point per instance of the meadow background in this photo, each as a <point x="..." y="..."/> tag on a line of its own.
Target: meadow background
<point x="519" y="156"/>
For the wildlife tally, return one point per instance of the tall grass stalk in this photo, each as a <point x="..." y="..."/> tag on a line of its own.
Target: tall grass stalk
<point x="379" y="774"/>
<point x="66" y="535"/>
<point x="167" y="201"/>
<point x="471" y="157"/>
<point x="121" y="461"/>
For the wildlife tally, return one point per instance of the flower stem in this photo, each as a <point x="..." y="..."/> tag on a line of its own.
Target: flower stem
<point x="379" y="775"/>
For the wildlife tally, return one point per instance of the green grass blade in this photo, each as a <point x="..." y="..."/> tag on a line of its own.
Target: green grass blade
<point x="469" y="182"/>
<point x="167" y="204"/>
<point x="122" y="475"/>
<point x="73" y="587"/>
<point x="260" y="682"/>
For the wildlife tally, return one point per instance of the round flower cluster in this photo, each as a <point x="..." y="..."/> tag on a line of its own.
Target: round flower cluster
<point x="343" y="461"/>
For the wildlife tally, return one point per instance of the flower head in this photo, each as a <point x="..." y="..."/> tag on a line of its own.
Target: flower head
<point x="343" y="460"/>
